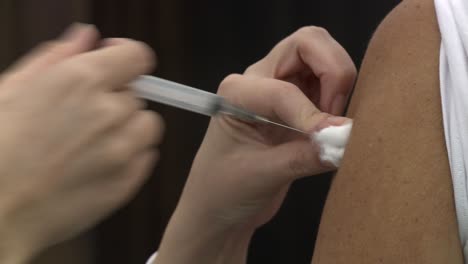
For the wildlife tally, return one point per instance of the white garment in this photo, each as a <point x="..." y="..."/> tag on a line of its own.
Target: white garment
<point x="453" y="23"/>
<point x="152" y="258"/>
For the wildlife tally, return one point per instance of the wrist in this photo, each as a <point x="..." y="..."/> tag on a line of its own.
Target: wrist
<point x="189" y="239"/>
<point x="16" y="242"/>
<point x="12" y="257"/>
<point x="13" y="249"/>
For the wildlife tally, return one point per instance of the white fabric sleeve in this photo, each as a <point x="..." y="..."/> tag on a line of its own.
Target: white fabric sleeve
<point x="452" y="16"/>
<point x="152" y="258"/>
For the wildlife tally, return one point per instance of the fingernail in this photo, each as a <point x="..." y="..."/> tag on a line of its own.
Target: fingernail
<point x="338" y="120"/>
<point x="332" y="121"/>
<point x="75" y="31"/>
<point x="338" y="104"/>
<point x="113" y="42"/>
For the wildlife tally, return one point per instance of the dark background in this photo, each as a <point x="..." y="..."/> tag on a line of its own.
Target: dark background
<point x="198" y="43"/>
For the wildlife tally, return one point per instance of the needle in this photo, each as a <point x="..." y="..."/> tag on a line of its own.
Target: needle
<point x="194" y="100"/>
<point x="264" y="120"/>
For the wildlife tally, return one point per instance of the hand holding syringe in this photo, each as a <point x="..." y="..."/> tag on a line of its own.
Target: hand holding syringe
<point x="194" y="100"/>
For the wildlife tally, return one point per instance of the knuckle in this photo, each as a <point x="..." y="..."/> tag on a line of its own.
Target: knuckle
<point x="144" y="53"/>
<point x="285" y="88"/>
<point x="128" y="187"/>
<point x="350" y="71"/>
<point x="50" y="46"/>
<point x="107" y="107"/>
<point x="82" y="73"/>
<point x="230" y="81"/>
<point x="109" y="110"/>
<point x="307" y="35"/>
<point x="315" y="117"/>
<point x="11" y="79"/>
<point x="253" y="68"/>
<point x="54" y="48"/>
<point x="139" y="104"/>
<point x="281" y="91"/>
<point x="153" y="126"/>
<point x="47" y="46"/>
<point x="346" y="73"/>
<point x="118" y="152"/>
<point x="311" y="115"/>
<point x="159" y="127"/>
<point x="250" y="68"/>
<point x="131" y="181"/>
<point x="311" y="31"/>
<point x="129" y="102"/>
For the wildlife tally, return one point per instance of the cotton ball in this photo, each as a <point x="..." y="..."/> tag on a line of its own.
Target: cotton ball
<point x="332" y="141"/>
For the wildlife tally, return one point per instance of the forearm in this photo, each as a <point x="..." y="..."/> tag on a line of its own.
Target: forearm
<point x="189" y="239"/>
<point x="17" y="245"/>
<point x="12" y="251"/>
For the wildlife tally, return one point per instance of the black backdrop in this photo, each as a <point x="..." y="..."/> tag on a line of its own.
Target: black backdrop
<point x="199" y="43"/>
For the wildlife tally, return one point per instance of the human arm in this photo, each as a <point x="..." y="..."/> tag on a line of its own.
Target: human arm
<point x="75" y="142"/>
<point x="392" y="200"/>
<point x="243" y="170"/>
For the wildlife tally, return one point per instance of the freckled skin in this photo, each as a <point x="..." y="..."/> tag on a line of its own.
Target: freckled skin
<point x="392" y="200"/>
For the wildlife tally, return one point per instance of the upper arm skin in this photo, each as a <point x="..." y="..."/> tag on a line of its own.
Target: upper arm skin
<point x="392" y="200"/>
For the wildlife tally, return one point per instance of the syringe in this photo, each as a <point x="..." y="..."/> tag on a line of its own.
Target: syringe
<point x="194" y="100"/>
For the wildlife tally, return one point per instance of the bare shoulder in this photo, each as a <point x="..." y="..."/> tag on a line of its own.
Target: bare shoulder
<point x="404" y="47"/>
<point x="392" y="201"/>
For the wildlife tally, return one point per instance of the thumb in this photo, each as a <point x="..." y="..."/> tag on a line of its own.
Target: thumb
<point x="321" y="152"/>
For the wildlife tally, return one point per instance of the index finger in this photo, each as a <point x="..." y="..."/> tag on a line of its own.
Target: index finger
<point x="77" y="39"/>
<point x="116" y="65"/>
<point x="312" y="50"/>
<point x="273" y="99"/>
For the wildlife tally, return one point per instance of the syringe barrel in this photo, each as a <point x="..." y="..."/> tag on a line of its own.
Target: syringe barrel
<point x="177" y="95"/>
